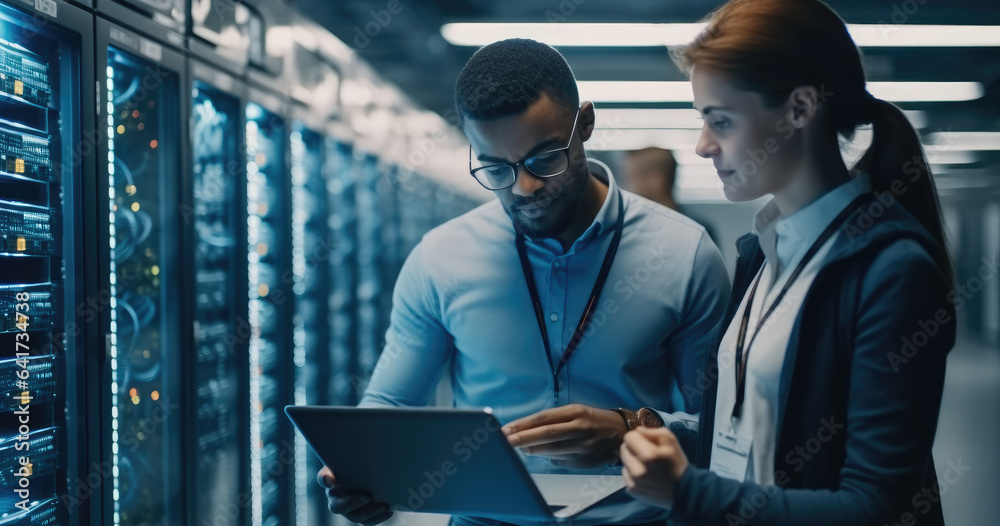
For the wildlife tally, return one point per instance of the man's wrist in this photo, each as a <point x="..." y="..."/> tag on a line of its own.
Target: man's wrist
<point x="628" y="418"/>
<point x="645" y="417"/>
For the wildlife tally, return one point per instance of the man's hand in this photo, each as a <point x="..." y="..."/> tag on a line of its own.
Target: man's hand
<point x="573" y="435"/>
<point x="356" y="507"/>
<point x="653" y="462"/>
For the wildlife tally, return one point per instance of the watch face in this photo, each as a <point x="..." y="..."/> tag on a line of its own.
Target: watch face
<point x="648" y="418"/>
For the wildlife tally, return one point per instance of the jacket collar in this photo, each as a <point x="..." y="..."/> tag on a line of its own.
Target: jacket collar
<point x="876" y="224"/>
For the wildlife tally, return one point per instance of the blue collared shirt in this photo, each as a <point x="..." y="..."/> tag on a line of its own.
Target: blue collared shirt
<point x="461" y="305"/>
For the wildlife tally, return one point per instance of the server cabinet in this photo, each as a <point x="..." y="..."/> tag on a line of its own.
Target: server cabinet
<point x="46" y="329"/>
<point x="311" y="247"/>
<point x="220" y="33"/>
<point x="416" y="209"/>
<point x="139" y="162"/>
<point x="214" y="214"/>
<point x="391" y="259"/>
<point x="369" y="256"/>
<point x="345" y="385"/>
<point x="271" y="305"/>
<point x="162" y="20"/>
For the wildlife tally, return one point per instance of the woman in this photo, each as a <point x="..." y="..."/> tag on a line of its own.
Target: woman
<point x="824" y="384"/>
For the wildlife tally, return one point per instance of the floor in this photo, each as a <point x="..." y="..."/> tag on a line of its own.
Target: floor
<point x="968" y="438"/>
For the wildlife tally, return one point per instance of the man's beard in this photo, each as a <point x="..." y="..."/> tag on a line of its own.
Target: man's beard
<point x="543" y="227"/>
<point x="566" y="194"/>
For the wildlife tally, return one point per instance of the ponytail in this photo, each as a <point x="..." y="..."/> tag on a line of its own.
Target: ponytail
<point x="896" y="163"/>
<point x="754" y="42"/>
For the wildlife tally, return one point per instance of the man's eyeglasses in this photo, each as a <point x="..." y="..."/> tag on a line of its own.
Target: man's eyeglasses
<point x="546" y="164"/>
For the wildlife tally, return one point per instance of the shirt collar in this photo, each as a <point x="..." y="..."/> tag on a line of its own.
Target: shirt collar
<point x="784" y="238"/>
<point x="608" y="214"/>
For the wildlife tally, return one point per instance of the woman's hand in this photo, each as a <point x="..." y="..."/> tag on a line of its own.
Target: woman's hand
<point x="653" y="462"/>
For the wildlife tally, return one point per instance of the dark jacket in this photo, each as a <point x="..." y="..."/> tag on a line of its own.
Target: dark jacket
<point x="860" y="388"/>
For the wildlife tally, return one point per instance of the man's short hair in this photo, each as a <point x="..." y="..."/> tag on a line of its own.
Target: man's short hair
<point x="506" y="77"/>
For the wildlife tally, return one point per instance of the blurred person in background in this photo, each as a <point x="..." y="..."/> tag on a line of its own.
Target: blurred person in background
<point x="831" y="356"/>
<point x="493" y="298"/>
<point x="652" y="173"/>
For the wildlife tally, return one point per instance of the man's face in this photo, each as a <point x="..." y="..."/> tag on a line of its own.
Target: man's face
<point x="541" y="207"/>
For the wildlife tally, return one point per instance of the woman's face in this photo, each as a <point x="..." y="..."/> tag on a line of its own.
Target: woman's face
<point x="755" y="149"/>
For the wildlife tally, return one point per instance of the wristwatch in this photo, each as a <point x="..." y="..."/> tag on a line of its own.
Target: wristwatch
<point x="645" y="417"/>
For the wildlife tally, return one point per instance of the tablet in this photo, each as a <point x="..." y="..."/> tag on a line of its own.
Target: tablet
<point x="436" y="460"/>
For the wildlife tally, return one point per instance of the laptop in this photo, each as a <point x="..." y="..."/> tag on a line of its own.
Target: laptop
<point x="435" y="460"/>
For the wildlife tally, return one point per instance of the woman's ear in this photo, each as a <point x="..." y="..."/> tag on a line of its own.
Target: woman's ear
<point x="587" y="120"/>
<point x="803" y="105"/>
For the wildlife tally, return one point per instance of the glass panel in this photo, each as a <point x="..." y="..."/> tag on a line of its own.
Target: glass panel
<point x="217" y="169"/>
<point x="269" y="261"/>
<point x="170" y="13"/>
<point x="224" y="23"/>
<point x="311" y="245"/>
<point x="369" y="256"/>
<point x="346" y="386"/>
<point x="142" y="167"/>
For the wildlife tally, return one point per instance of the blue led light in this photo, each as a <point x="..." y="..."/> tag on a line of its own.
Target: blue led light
<point x="113" y="292"/>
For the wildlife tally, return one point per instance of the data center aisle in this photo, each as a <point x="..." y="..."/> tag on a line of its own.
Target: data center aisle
<point x="966" y="448"/>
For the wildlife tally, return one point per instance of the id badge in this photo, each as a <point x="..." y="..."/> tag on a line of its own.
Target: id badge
<point x="730" y="455"/>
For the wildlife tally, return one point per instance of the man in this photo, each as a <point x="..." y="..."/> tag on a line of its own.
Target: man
<point x="464" y="301"/>
<point x="652" y="173"/>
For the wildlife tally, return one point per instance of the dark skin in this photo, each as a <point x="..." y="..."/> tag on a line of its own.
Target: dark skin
<point x="561" y="207"/>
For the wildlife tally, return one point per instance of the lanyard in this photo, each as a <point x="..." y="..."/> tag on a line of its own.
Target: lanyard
<point x="743" y="355"/>
<point x="602" y="276"/>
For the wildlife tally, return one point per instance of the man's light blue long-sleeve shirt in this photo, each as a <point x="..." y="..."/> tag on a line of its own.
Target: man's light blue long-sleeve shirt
<point x="461" y="303"/>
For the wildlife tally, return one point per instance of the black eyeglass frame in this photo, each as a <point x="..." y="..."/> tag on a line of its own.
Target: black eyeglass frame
<point x="513" y="166"/>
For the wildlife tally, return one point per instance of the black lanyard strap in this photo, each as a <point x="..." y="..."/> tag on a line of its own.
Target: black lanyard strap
<point x="595" y="294"/>
<point x="743" y="354"/>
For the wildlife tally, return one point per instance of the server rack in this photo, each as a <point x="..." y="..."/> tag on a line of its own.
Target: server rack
<point x="45" y="80"/>
<point x="271" y="305"/>
<point x="270" y="308"/>
<point x="139" y="161"/>
<point x="162" y="20"/>
<point x="214" y="212"/>
<point x="311" y="246"/>
<point x="391" y="260"/>
<point x="369" y="256"/>
<point x="345" y="385"/>
<point x="220" y="34"/>
<point x="416" y="211"/>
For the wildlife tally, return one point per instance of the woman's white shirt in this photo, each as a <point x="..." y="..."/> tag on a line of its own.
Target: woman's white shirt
<point x="784" y="242"/>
